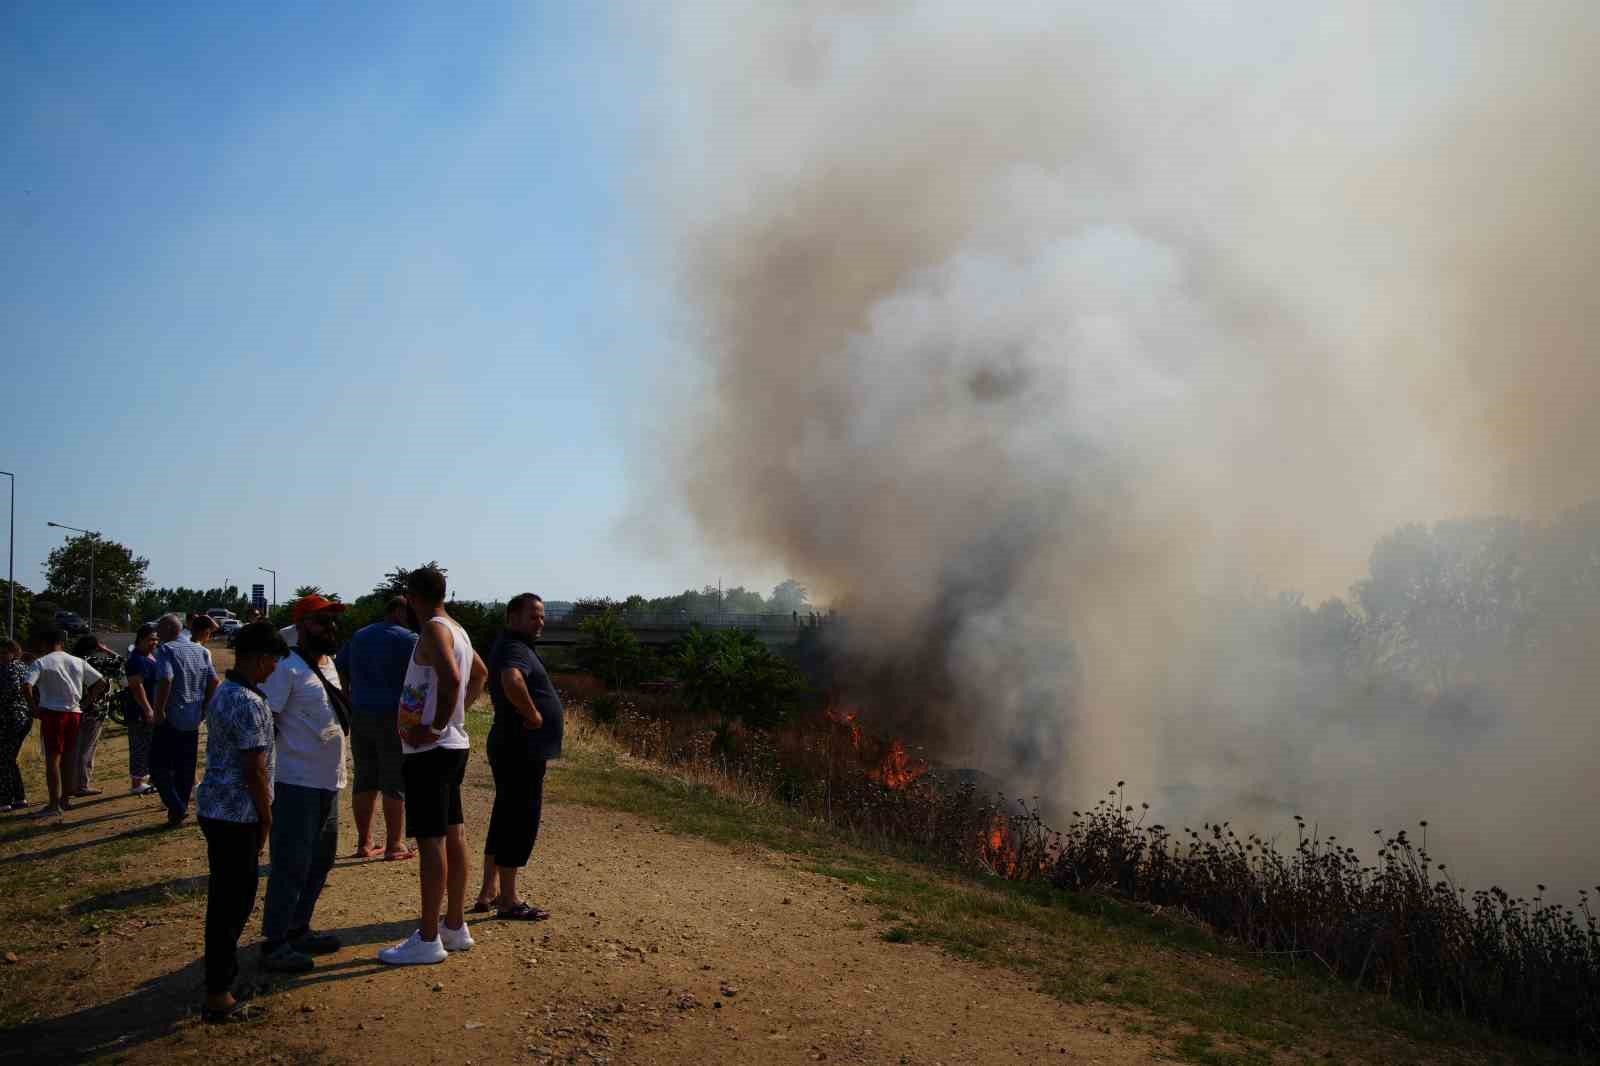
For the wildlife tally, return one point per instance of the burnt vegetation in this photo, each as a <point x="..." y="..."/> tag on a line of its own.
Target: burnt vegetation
<point x="1393" y="923"/>
<point x="1397" y="925"/>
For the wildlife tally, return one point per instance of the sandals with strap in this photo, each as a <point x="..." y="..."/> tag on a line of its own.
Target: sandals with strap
<point x="524" y="912"/>
<point x="239" y="1012"/>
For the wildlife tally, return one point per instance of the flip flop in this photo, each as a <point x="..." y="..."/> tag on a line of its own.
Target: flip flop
<point x="239" y="1012"/>
<point x="371" y="851"/>
<point x="478" y="907"/>
<point x="399" y="856"/>
<point x="524" y="912"/>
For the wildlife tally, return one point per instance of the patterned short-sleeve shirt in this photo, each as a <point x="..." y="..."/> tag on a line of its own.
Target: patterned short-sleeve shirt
<point x="238" y="721"/>
<point x="14" y="713"/>
<point x="111" y="668"/>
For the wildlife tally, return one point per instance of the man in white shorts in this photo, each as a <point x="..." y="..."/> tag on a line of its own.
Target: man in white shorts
<point x="444" y="678"/>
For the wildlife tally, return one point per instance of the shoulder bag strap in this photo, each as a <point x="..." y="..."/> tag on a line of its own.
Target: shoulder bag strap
<point x="336" y="696"/>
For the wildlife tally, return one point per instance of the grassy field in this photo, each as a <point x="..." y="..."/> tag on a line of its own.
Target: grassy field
<point x="1215" y="1005"/>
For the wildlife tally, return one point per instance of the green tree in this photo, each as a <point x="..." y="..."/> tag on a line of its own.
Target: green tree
<point x="22" y="605"/>
<point x="394" y="582"/>
<point x="482" y="621"/>
<point x="610" y="650"/>
<point x="733" y="673"/>
<point x="303" y="591"/>
<point x="1445" y="601"/>
<point x="740" y="600"/>
<point x="118" y="575"/>
<point x="788" y="596"/>
<point x="151" y="603"/>
<point x="593" y="607"/>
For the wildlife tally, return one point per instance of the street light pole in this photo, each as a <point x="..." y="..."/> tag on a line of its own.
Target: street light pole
<point x="274" y="574"/>
<point x="93" y="544"/>
<point x="11" y="563"/>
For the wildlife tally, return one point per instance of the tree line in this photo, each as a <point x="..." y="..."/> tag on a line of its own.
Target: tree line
<point x="1448" y="618"/>
<point x="788" y="597"/>
<point x="1442" y="608"/>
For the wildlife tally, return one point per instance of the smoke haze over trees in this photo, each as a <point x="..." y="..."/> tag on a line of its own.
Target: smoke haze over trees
<point x="1052" y="343"/>
<point x="708" y="602"/>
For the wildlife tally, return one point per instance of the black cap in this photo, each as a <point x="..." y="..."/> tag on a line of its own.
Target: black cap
<point x="259" y="638"/>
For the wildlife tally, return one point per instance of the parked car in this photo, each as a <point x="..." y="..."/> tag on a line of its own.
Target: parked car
<point x="72" y="622"/>
<point x="219" y="613"/>
<point x="230" y="626"/>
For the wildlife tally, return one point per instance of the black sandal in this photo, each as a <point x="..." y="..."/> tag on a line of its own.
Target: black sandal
<point x="524" y="912"/>
<point x="239" y="1012"/>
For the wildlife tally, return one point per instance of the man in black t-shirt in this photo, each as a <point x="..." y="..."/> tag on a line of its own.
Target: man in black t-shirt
<point x="526" y="734"/>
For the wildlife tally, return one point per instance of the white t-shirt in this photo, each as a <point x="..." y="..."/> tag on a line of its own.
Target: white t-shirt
<point x="310" y="746"/>
<point x="59" y="680"/>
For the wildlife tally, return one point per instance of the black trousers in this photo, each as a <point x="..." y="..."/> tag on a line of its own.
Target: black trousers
<point x="518" y="803"/>
<point x="12" y="735"/>
<point x="172" y="761"/>
<point x="231" y="850"/>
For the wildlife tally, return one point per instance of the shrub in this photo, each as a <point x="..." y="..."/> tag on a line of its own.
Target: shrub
<point x="610" y="650"/>
<point x="733" y="673"/>
<point x="482" y="621"/>
<point x="605" y="707"/>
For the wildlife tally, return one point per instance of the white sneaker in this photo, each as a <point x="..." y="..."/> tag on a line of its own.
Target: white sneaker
<point x="455" y="939"/>
<point x="415" y="952"/>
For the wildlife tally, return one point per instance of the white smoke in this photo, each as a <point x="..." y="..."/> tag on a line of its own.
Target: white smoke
<point x="1036" y="332"/>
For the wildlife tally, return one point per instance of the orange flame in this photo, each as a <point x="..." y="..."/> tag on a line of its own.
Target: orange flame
<point x="847" y="718"/>
<point x="898" y="768"/>
<point x="998" y="850"/>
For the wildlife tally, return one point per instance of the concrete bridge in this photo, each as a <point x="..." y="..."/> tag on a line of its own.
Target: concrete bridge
<point x="774" y="630"/>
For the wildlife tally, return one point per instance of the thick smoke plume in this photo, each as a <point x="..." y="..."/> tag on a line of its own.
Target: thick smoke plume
<point x="1041" y="337"/>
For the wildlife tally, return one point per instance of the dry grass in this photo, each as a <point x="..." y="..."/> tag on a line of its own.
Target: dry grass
<point x="584" y="737"/>
<point x="1210" y="1002"/>
<point x="1396" y="927"/>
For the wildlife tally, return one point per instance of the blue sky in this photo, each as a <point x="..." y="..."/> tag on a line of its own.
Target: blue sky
<point x="330" y="288"/>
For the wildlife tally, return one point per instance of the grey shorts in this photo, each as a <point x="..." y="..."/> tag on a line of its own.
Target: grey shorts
<point x="375" y="745"/>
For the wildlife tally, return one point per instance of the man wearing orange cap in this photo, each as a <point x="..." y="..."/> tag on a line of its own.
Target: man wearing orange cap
<point x="313" y="724"/>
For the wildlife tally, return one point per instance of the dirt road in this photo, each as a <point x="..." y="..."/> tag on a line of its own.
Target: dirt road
<point x="662" y="949"/>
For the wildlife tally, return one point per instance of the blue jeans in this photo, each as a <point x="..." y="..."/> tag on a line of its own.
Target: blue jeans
<point x="305" y="838"/>
<point x="172" y="759"/>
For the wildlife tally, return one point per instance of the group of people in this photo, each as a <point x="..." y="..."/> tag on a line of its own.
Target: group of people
<point x="70" y="695"/>
<point x="282" y="724"/>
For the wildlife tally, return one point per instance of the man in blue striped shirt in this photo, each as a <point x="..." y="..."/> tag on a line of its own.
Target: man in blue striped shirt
<point x="187" y="681"/>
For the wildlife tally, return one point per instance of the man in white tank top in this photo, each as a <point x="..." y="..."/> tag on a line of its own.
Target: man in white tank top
<point x="444" y="678"/>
